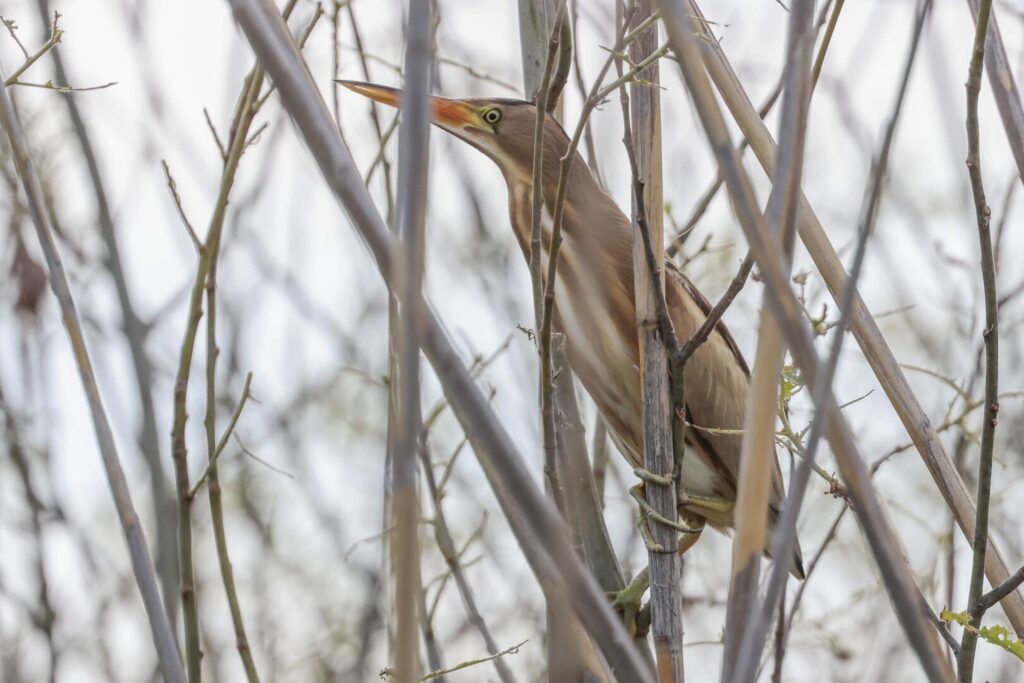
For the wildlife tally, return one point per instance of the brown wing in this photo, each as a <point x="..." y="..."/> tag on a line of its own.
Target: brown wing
<point x="724" y="396"/>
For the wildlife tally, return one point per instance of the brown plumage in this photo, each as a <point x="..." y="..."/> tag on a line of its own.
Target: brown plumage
<point x="595" y="306"/>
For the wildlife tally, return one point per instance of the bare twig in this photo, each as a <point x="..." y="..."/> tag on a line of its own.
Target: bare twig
<point x="382" y="135"/>
<point x="1007" y="97"/>
<point x="983" y="215"/>
<point x="245" y="112"/>
<point x="473" y="662"/>
<point x="12" y="28"/>
<point x="173" y="187"/>
<point x="445" y="544"/>
<point x="216" y="136"/>
<point x="55" y="35"/>
<point x="999" y="592"/>
<point x="549" y="425"/>
<point x="223" y="441"/>
<point x="701" y="334"/>
<point x="213" y="450"/>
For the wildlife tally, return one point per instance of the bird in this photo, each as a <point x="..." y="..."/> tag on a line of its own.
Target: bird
<point x="596" y="310"/>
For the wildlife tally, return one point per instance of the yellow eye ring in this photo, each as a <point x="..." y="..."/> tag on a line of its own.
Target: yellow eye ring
<point x="492" y="116"/>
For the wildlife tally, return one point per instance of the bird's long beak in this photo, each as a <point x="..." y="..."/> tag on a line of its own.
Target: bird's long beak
<point x="451" y="114"/>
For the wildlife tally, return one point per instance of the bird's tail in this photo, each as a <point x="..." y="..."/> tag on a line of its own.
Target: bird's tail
<point x="796" y="565"/>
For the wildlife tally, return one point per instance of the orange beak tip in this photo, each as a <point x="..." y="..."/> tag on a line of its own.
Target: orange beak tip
<point x="379" y="93"/>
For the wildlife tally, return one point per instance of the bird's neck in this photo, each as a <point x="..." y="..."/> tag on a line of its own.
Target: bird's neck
<point x="591" y="223"/>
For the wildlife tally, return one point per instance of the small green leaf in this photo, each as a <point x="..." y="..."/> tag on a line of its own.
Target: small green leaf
<point x="996" y="635"/>
<point x="962" y="618"/>
<point x="792" y="381"/>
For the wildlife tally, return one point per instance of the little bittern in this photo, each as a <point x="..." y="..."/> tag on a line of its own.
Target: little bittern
<point x="595" y="306"/>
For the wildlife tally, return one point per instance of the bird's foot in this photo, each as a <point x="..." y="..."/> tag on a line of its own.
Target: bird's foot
<point x="629" y="600"/>
<point x="653" y="477"/>
<point x="690" y="525"/>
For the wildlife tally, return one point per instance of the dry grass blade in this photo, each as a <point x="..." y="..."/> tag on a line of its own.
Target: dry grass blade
<point x="757" y="456"/>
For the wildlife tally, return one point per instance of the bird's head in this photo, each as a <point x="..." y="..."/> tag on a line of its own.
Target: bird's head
<point x="503" y="129"/>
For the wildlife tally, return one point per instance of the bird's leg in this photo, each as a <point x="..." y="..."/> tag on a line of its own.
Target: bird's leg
<point x="706" y="502"/>
<point x="629" y="600"/>
<point x="693" y="528"/>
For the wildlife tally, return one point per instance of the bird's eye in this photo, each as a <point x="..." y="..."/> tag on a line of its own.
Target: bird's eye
<point x="492" y="116"/>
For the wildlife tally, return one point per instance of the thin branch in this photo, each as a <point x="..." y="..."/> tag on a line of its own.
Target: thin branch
<point x="55" y="35"/>
<point x="819" y="61"/>
<point x="543" y="317"/>
<point x="244" y="114"/>
<point x="173" y="187"/>
<point x="228" y="431"/>
<point x="473" y="662"/>
<point x="565" y="52"/>
<point x="443" y="538"/>
<point x="213" y="450"/>
<point x="1006" y="95"/>
<point x="701" y="334"/>
<point x="216" y="138"/>
<point x="999" y="592"/>
<point x="12" y="28"/>
<point x="983" y="215"/>
<point x="64" y="89"/>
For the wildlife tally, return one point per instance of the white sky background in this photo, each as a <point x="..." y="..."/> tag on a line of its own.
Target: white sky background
<point x="189" y="55"/>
